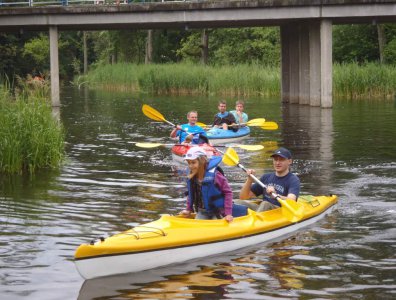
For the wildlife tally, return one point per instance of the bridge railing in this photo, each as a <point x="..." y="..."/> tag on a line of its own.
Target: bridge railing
<point x="24" y="3"/>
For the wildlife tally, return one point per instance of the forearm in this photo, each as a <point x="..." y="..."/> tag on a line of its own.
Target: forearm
<point x="173" y="133"/>
<point x="245" y="192"/>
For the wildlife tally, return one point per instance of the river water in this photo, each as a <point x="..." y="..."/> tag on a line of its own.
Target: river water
<point x="108" y="185"/>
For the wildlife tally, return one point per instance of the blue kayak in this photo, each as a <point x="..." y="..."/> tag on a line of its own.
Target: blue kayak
<point x="221" y="136"/>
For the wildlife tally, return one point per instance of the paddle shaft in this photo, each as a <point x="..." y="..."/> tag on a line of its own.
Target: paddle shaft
<point x="238" y="164"/>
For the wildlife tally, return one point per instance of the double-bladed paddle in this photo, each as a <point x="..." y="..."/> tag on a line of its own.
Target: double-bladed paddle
<point x="153" y="145"/>
<point x="291" y="210"/>
<point x="259" y="122"/>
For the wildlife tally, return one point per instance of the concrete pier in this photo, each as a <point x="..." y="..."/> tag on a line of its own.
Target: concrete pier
<point x="306" y="63"/>
<point x="54" y="62"/>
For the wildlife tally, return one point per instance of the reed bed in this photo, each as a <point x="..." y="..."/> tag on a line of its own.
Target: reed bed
<point x="366" y="81"/>
<point x="350" y="81"/>
<point x="183" y="78"/>
<point x="30" y="137"/>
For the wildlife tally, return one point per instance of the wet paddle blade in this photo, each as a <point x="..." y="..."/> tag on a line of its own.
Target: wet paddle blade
<point x="251" y="147"/>
<point x="256" y="122"/>
<point x="230" y="157"/>
<point x="270" y="126"/>
<point x="148" y="145"/>
<point x="152" y="113"/>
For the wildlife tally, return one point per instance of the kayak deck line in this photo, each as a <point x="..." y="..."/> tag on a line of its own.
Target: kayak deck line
<point x="217" y="240"/>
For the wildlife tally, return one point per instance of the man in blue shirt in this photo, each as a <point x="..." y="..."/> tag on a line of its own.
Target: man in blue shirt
<point x="190" y="131"/>
<point x="281" y="182"/>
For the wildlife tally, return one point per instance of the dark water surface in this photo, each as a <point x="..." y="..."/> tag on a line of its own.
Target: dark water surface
<point x="108" y="185"/>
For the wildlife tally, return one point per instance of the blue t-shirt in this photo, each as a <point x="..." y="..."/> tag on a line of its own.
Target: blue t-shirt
<point x="244" y="117"/>
<point x="288" y="184"/>
<point x="188" y="129"/>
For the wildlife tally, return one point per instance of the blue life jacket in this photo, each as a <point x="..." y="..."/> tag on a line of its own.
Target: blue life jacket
<point x="212" y="197"/>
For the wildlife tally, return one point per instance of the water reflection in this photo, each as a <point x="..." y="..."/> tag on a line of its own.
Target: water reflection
<point x="309" y="132"/>
<point x="108" y="185"/>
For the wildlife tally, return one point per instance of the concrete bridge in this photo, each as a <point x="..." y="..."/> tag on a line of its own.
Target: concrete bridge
<point x="306" y="30"/>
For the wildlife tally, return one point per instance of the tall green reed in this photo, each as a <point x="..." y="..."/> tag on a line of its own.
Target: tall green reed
<point x="350" y="81"/>
<point x="186" y="78"/>
<point x="369" y="80"/>
<point x="30" y="137"/>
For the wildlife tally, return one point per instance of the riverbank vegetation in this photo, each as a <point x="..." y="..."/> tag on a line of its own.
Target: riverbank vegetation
<point x="364" y="81"/>
<point x="30" y="137"/>
<point x="229" y="61"/>
<point x="350" y="81"/>
<point x="187" y="78"/>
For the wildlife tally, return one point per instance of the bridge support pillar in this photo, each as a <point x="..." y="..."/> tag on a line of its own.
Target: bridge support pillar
<point x="54" y="62"/>
<point x="307" y="63"/>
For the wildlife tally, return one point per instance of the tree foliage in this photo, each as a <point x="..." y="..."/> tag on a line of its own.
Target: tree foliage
<point x="28" y="52"/>
<point x="235" y="46"/>
<point x="355" y="43"/>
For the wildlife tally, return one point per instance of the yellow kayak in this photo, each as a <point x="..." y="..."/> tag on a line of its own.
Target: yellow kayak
<point x="173" y="239"/>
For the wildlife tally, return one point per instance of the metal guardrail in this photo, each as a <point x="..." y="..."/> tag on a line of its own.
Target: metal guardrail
<point x="31" y="3"/>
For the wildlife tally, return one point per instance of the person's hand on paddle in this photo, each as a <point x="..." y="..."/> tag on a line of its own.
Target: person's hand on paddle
<point x="229" y="218"/>
<point x="271" y="191"/>
<point x="250" y="172"/>
<point x="174" y="131"/>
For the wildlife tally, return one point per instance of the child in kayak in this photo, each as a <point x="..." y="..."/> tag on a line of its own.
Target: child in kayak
<point x="209" y="194"/>
<point x="240" y="116"/>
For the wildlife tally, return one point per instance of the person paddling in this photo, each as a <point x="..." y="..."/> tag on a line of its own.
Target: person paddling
<point x="209" y="193"/>
<point x="223" y="119"/>
<point x="190" y="132"/>
<point x="282" y="182"/>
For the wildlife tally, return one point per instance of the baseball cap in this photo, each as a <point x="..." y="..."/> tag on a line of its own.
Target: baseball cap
<point x="194" y="153"/>
<point x="282" y="152"/>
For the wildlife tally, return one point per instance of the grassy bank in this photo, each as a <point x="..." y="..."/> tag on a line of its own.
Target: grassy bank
<point x="30" y="137"/>
<point x="183" y="79"/>
<point x="368" y="81"/>
<point x="350" y="81"/>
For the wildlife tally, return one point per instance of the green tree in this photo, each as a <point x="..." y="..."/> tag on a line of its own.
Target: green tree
<point x="235" y="46"/>
<point x="355" y="43"/>
<point x="390" y="43"/>
<point x="37" y="50"/>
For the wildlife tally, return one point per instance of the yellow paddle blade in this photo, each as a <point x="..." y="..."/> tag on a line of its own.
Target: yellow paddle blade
<point x="152" y="113"/>
<point x="291" y="209"/>
<point x="251" y="147"/>
<point x="201" y="124"/>
<point x="230" y="157"/>
<point x="256" y="122"/>
<point x="148" y="145"/>
<point x="270" y="126"/>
